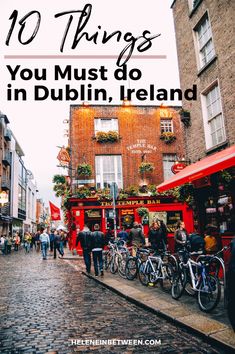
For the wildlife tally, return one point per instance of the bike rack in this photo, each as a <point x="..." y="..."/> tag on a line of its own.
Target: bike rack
<point x="224" y="274"/>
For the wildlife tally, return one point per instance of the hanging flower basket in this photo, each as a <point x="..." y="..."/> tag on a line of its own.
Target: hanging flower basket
<point x="83" y="192"/>
<point x="142" y="211"/>
<point x="84" y="169"/>
<point x="107" y="137"/>
<point x="146" y="167"/>
<point x="168" y="137"/>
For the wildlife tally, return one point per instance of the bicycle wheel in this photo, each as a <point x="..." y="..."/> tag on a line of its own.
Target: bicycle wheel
<point x="178" y="284"/>
<point x="167" y="274"/>
<point x="131" y="268"/>
<point x="209" y="293"/>
<point x="114" y="264"/>
<point x="107" y="259"/>
<point x="143" y="275"/>
<point x="122" y="266"/>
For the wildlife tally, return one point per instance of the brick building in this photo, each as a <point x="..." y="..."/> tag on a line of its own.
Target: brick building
<point x="205" y="41"/>
<point x="205" y="35"/>
<point x="139" y="129"/>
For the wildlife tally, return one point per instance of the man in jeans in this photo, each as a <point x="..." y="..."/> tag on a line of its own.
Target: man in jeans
<point x="97" y="245"/>
<point x="84" y="237"/>
<point x="45" y="242"/>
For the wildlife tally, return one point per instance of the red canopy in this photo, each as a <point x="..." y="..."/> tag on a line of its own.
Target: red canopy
<point x="209" y="165"/>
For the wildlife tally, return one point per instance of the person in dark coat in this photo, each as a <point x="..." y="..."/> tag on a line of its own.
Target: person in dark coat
<point x="231" y="286"/>
<point x="157" y="237"/>
<point x="97" y="245"/>
<point x="84" y="237"/>
<point x="57" y="241"/>
<point x="181" y="236"/>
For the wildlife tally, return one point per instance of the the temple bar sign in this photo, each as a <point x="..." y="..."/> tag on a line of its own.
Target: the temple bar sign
<point x="133" y="202"/>
<point x="141" y="147"/>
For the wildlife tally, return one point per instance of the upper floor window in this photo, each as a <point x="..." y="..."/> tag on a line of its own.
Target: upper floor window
<point x="108" y="169"/>
<point x="213" y="117"/>
<point x="193" y="4"/>
<point x="168" y="161"/>
<point x="166" y="125"/>
<point x="106" y="124"/>
<point x="205" y="42"/>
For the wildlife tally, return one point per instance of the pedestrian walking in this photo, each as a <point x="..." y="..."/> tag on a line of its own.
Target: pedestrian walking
<point x="45" y="242"/>
<point x="27" y="241"/>
<point x="37" y="241"/>
<point x="57" y="241"/>
<point x="2" y="244"/>
<point x="52" y="240"/>
<point x="16" y="241"/>
<point x="97" y="245"/>
<point x="84" y="237"/>
<point x="62" y="240"/>
<point x="181" y="236"/>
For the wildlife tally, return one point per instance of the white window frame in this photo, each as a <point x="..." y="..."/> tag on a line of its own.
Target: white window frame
<point x="167" y="173"/>
<point x="99" y="159"/>
<point x="99" y="128"/>
<point x="203" y="56"/>
<point x="210" y="114"/>
<point x="166" y="125"/>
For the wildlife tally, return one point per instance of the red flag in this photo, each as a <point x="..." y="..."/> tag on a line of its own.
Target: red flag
<point x="55" y="212"/>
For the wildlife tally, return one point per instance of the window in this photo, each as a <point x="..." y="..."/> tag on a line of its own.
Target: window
<point x="193" y="4"/>
<point x="166" y="125"/>
<point x="213" y="118"/>
<point x="168" y="162"/>
<point x="205" y="43"/>
<point x="108" y="169"/>
<point x="106" y="124"/>
<point x="21" y="198"/>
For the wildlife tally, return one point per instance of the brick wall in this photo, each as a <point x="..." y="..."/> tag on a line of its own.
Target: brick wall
<point x="135" y="123"/>
<point x="222" y="18"/>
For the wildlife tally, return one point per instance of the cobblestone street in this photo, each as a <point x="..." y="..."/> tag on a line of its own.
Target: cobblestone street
<point x="45" y="304"/>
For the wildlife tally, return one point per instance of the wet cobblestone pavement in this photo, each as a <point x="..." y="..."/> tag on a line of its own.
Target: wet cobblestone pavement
<point x="46" y="304"/>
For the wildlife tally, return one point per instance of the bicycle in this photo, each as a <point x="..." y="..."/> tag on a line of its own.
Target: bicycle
<point x="154" y="270"/>
<point x="133" y="263"/>
<point x="203" y="283"/>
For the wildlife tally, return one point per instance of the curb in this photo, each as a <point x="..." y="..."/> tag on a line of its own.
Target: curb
<point x="160" y="313"/>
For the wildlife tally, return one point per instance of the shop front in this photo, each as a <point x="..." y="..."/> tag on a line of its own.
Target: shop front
<point x="213" y="181"/>
<point x="91" y="211"/>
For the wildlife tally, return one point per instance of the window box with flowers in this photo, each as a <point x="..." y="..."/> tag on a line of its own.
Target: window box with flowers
<point x="84" y="169"/>
<point x="146" y="167"/>
<point x="107" y="137"/>
<point x="168" y="137"/>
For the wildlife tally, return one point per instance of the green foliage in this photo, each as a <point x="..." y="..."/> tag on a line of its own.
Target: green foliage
<point x="226" y="177"/>
<point x="168" y="137"/>
<point x="84" y="169"/>
<point x="104" y="194"/>
<point x="142" y="211"/>
<point x="184" y="193"/>
<point x="132" y="191"/>
<point x="146" y="167"/>
<point x="59" y="179"/>
<point x="82" y="192"/>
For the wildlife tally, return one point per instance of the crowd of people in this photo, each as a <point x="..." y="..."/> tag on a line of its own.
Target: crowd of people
<point x="45" y="239"/>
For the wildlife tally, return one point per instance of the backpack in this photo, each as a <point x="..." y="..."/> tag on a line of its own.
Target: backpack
<point x="196" y="242"/>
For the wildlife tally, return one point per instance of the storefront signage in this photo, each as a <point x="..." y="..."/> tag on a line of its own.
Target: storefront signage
<point x="132" y="202"/>
<point x="141" y="147"/>
<point x="93" y="213"/>
<point x="177" y="167"/>
<point x="63" y="157"/>
<point x="127" y="211"/>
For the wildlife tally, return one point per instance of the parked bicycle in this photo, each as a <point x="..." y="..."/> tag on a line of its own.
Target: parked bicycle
<point x="197" y="275"/>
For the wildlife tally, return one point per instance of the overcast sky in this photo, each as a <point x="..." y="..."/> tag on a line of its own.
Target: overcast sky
<point x="39" y="126"/>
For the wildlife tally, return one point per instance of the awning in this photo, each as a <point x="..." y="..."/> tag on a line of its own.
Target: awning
<point x="209" y="165"/>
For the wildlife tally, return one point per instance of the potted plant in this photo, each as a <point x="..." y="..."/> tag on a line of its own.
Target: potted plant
<point x="146" y="167"/>
<point x="142" y="211"/>
<point x="83" y="192"/>
<point x="132" y="191"/>
<point x="168" y="137"/>
<point x="84" y="169"/>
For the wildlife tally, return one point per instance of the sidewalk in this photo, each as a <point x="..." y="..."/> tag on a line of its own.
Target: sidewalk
<point x="185" y="312"/>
